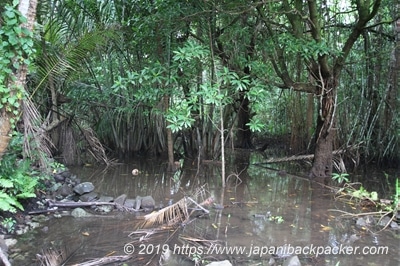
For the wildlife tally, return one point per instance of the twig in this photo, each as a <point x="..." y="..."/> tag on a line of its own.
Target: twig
<point x="198" y="205"/>
<point x="359" y="214"/>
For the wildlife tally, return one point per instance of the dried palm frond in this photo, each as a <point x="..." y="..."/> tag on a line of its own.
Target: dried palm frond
<point x="171" y="215"/>
<point x="52" y="257"/>
<point x="36" y="138"/>
<point x="178" y="212"/>
<point x="96" y="149"/>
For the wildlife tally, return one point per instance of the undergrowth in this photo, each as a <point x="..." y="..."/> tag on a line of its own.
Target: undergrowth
<point x="19" y="179"/>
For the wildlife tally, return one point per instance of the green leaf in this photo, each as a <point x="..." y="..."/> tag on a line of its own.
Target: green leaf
<point x="6" y="183"/>
<point x="12" y="22"/>
<point x="26" y="195"/>
<point x="8" y="203"/>
<point x="9" y="13"/>
<point x="12" y="100"/>
<point x="374" y="196"/>
<point x="12" y="40"/>
<point x="16" y="64"/>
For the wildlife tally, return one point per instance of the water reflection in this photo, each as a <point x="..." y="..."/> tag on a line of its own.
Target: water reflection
<point x="301" y="206"/>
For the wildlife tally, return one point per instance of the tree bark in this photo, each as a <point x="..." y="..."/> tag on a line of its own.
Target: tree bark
<point x="243" y="134"/>
<point x="27" y="9"/>
<point x="393" y="87"/>
<point x="325" y="131"/>
<point x="170" y="141"/>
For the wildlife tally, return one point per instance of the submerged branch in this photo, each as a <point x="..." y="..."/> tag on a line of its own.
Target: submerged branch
<point x="72" y="204"/>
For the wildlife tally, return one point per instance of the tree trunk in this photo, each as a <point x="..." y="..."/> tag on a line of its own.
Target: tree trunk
<point x="27" y="9"/>
<point x="170" y="141"/>
<point x="325" y="131"/>
<point x="327" y="83"/>
<point x="393" y="87"/>
<point x="309" y="118"/>
<point x="243" y="135"/>
<point x="5" y="130"/>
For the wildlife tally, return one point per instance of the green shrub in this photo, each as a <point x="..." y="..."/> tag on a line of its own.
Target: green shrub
<point x="17" y="179"/>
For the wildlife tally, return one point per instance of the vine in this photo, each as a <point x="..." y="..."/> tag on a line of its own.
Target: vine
<point x="16" y="48"/>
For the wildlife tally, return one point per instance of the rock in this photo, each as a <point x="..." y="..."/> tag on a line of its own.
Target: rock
<point x="218" y="206"/>
<point x="120" y="199"/>
<point x="74" y="182"/>
<point x="65" y="174"/>
<point x="292" y="261"/>
<point x="370" y="220"/>
<point x="169" y="258"/>
<point x="271" y="261"/>
<point x="394" y="225"/>
<point x="353" y="238"/>
<point x="91" y="196"/>
<point x="384" y="221"/>
<point x="40" y="218"/>
<point x="130" y="203"/>
<point x="220" y="263"/>
<point x="148" y="203"/>
<point x="361" y="222"/>
<point x="58" y="178"/>
<point x="104" y="208"/>
<point x="79" y="213"/>
<point x="138" y="202"/>
<point x="64" y="190"/>
<point x="22" y="230"/>
<point x="105" y="199"/>
<point x="33" y="225"/>
<point x="10" y="242"/>
<point x="83" y="188"/>
<point x="55" y="187"/>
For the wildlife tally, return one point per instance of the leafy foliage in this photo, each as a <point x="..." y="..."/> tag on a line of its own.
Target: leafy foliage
<point x="16" y="48"/>
<point x="17" y="180"/>
<point x="132" y="68"/>
<point x="8" y="224"/>
<point x="340" y="178"/>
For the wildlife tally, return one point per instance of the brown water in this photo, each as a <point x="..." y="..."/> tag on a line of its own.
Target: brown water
<point x="302" y="206"/>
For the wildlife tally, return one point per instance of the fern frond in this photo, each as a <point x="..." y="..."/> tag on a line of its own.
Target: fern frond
<point x="8" y="203"/>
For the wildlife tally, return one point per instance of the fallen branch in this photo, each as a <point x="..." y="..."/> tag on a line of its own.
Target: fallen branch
<point x="72" y="204"/>
<point x="198" y="205"/>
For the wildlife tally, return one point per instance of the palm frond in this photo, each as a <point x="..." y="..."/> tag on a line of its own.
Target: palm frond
<point x="52" y="256"/>
<point x="171" y="215"/>
<point x="178" y="213"/>
<point x="36" y="138"/>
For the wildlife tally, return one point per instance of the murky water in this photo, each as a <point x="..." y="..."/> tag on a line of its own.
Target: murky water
<point x="263" y="210"/>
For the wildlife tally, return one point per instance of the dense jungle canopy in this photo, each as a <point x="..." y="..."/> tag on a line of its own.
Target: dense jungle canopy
<point x="98" y="79"/>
